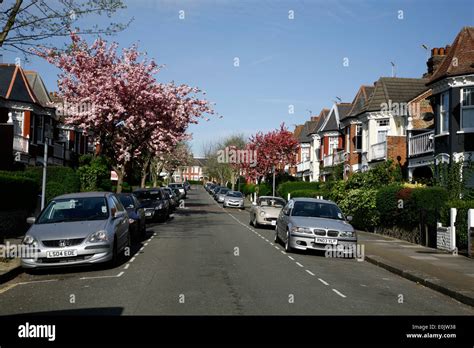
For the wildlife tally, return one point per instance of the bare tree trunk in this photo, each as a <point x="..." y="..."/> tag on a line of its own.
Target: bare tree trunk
<point x="10" y="22"/>
<point x="120" y="175"/>
<point x="145" y="172"/>
<point x="233" y="180"/>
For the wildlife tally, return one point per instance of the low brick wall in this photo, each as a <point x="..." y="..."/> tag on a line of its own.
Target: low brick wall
<point x="400" y="233"/>
<point x="13" y="224"/>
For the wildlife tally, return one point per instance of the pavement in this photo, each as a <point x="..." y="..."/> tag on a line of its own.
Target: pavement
<point x="207" y="260"/>
<point x="450" y="274"/>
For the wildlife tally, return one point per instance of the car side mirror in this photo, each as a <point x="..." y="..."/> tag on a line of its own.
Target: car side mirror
<point x="113" y="212"/>
<point x="349" y="218"/>
<point x="30" y="220"/>
<point x="286" y="212"/>
<point x="254" y="203"/>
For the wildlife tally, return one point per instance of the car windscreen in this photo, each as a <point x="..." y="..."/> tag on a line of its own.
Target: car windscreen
<point x="223" y="191"/>
<point x="318" y="210"/>
<point x="148" y="195"/>
<point x="126" y="201"/>
<point x="234" y="194"/>
<point x="272" y="202"/>
<point x="75" y="209"/>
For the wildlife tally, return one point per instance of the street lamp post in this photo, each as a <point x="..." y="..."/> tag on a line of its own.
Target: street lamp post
<point x="45" y="165"/>
<point x="274" y="181"/>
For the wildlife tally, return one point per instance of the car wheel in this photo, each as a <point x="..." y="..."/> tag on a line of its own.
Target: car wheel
<point x="276" y="239"/>
<point x="255" y="223"/>
<point x="288" y="247"/>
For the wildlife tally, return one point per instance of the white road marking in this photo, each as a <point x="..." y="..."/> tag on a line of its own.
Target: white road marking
<point x="39" y="281"/>
<point x="98" y="277"/>
<point x="132" y="259"/>
<point x="310" y="272"/>
<point x="141" y="249"/>
<point x="120" y="274"/>
<point x="339" y="293"/>
<point x="283" y="252"/>
<point x="126" y="266"/>
<point x="299" y="264"/>
<point x="272" y="244"/>
<point x="323" y="281"/>
<point x="291" y="258"/>
<point x="277" y="248"/>
<point x="146" y="244"/>
<point x="8" y="287"/>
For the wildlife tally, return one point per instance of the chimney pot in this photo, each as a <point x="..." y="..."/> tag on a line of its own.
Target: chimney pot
<point x="435" y="51"/>
<point x="441" y="51"/>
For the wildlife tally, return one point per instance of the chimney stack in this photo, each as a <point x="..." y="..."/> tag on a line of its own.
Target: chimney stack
<point x="314" y="118"/>
<point x="437" y="57"/>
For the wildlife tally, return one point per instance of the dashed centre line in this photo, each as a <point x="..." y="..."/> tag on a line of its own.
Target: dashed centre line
<point x="339" y="293"/>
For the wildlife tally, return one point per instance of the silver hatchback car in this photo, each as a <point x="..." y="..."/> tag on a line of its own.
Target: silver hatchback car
<point x="308" y="223"/>
<point x="77" y="229"/>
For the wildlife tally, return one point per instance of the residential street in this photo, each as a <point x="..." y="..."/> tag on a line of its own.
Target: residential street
<point x="190" y="266"/>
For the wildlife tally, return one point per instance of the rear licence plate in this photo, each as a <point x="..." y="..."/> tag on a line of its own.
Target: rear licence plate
<point x="325" y="241"/>
<point x="61" y="253"/>
<point x="148" y="213"/>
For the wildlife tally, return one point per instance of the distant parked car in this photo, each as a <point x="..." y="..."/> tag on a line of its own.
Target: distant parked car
<point x="136" y="214"/>
<point x="219" y="196"/>
<point x="214" y="189"/>
<point x="173" y="198"/>
<point x="78" y="229"/>
<point x="208" y="186"/>
<point x="180" y="187"/>
<point x="234" y="199"/>
<point x="265" y="210"/>
<point x="155" y="203"/>
<point x="308" y="223"/>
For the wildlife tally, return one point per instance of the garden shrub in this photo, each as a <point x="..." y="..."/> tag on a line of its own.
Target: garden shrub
<point x="288" y="187"/>
<point x="306" y="193"/>
<point x="22" y="192"/>
<point x="361" y="205"/>
<point x="94" y="174"/>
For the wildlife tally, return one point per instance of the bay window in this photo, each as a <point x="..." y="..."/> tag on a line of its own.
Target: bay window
<point x="467" y="109"/>
<point x="443" y="113"/>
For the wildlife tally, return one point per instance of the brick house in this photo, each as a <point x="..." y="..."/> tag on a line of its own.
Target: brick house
<point x="384" y="120"/>
<point x="315" y="145"/>
<point x="25" y="107"/>
<point x="351" y="128"/>
<point x="331" y="139"/>
<point x="303" y="167"/>
<point x="452" y="100"/>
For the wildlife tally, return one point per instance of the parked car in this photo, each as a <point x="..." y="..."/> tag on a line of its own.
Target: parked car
<point x="308" y="223"/>
<point x="221" y="194"/>
<point x="208" y="186"/>
<point x="213" y="188"/>
<point x="155" y="203"/>
<point x="180" y="187"/>
<point x="216" y="190"/>
<point x="265" y="210"/>
<point x="234" y="199"/>
<point x="77" y="229"/>
<point x="173" y="198"/>
<point x="136" y="214"/>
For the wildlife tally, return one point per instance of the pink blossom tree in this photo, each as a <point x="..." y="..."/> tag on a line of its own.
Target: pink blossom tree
<point x="117" y="98"/>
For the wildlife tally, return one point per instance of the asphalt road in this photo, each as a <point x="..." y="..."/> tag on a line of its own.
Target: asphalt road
<point x="207" y="260"/>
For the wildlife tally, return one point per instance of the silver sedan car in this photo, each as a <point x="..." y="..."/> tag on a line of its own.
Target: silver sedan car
<point x="234" y="199"/>
<point x="308" y="223"/>
<point x="77" y="229"/>
<point x="265" y="210"/>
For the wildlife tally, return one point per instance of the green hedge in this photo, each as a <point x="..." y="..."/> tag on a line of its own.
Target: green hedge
<point x="307" y="193"/>
<point x="288" y="187"/>
<point x="195" y="182"/>
<point x="361" y="205"/>
<point x="18" y="193"/>
<point x="247" y="189"/>
<point x="59" y="180"/>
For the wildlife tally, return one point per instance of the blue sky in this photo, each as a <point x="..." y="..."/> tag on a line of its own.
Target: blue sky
<point x="282" y="61"/>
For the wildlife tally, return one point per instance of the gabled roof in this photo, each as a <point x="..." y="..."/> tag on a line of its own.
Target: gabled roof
<point x="332" y="120"/>
<point x="199" y="161"/>
<point x="39" y="89"/>
<point x="14" y="84"/>
<point x="360" y="101"/>
<point x="319" y="121"/>
<point x="297" y="131"/>
<point x="460" y="58"/>
<point x="395" y="90"/>
<point x="304" y="135"/>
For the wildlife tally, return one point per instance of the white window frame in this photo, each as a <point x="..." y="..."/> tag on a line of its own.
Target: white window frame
<point x="443" y="114"/>
<point x="470" y="107"/>
<point x="18" y="118"/>
<point x="40" y="119"/>
<point x="333" y="144"/>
